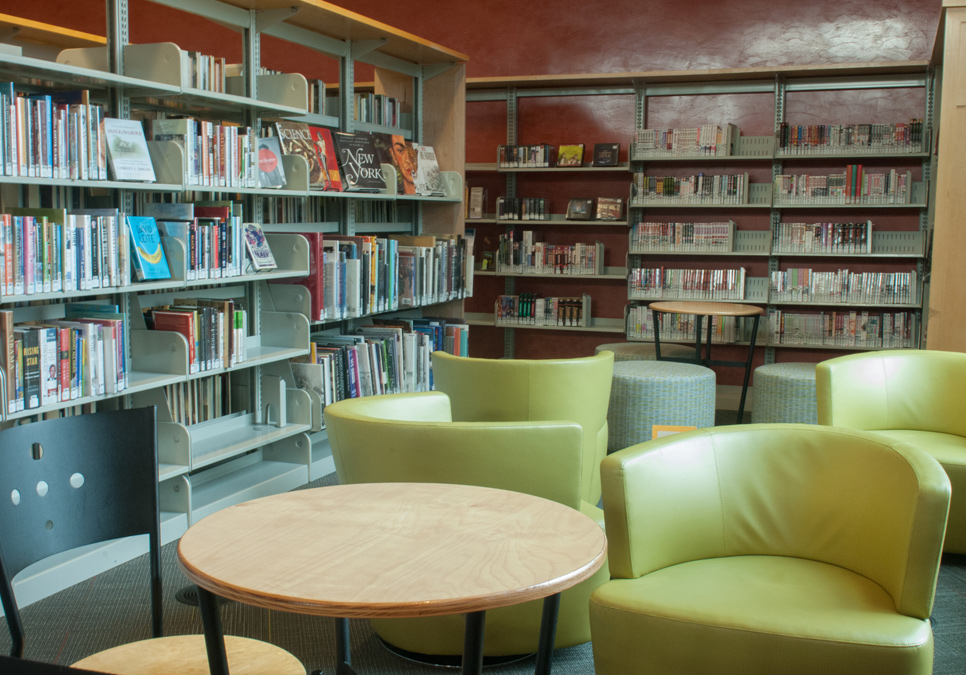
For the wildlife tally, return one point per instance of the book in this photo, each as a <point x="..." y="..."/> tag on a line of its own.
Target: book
<point x="429" y="180"/>
<point x="127" y="150"/>
<point x="147" y="253"/>
<point x="360" y="166"/>
<point x="579" y="209"/>
<point x="610" y="208"/>
<point x="315" y="146"/>
<point x="607" y="154"/>
<point x="271" y="173"/>
<point x="570" y="155"/>
<point x="477" y="203"/>
<point x="258" y="249"/>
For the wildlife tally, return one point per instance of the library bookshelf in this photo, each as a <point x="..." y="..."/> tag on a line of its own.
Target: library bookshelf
<point x="267" y="436"/>
<point x="757" y="223"/>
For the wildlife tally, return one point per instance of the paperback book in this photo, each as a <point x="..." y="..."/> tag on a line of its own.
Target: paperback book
<point x="429" y="180"/>
<point x="570" y="155"/>
<point x="606" y="154"/>
<point x="271" y="173"/>
<point x="147" y="253"/>
<point x="359" y="162"/>
<point x="258" y="249"/>
<point x="127" y="150"/>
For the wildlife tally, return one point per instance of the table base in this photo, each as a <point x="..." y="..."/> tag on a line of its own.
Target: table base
<point x="472" y="642"/>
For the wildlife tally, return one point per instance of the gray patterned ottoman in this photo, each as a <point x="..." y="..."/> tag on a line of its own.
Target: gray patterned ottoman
<point x="645" y="393"/>
<point x="784" y="392"/>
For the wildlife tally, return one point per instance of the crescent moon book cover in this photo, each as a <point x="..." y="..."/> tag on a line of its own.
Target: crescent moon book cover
<point x="147" y="253"/>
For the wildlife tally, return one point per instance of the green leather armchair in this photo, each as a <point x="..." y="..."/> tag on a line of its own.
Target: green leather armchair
<point x="504" y="390"/>
<point x="411" y="437"/>
<point x="915" y="396"/>
<point x="769" y="548"/>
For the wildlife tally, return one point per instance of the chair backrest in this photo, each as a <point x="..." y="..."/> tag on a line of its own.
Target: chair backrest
<point x="75" y="481"/>
<point x="840" y="496"/>
<point x="494" y="390"/>
<point x="893" y="389"/>
<point x="409" y="437"/>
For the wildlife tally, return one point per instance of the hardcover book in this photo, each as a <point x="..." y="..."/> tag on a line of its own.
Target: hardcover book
<point x="315" y="145"/>
<point x="570" y="155"/>
<point x="271" y="174"/>
<point x="607" y="154"/>
<point x="360" y="165"/>
<point x="258" y="249"/>
<point x="147" y="253"/>
<point x="127" y="150"/>
<point x="429" y="180"/>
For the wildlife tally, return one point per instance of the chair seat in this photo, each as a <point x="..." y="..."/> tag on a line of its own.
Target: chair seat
<point x="755" y="614"/>
<point x="186" y="655"/>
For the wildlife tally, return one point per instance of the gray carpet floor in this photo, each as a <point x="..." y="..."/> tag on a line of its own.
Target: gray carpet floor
<point x="112" y="609"/>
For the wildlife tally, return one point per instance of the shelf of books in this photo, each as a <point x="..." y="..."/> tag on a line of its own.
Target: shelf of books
<point x="715" y="211"/>
<point x="227" y="242"/>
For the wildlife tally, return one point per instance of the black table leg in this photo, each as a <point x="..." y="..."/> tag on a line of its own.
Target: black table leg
<point x="343" y="655"/>
<point x="656" y="320"/>
<point x="548" y="633"/>
<point x="748" y="361"/>
<point x="214" y="637"/>
<point x="473" y="643"/>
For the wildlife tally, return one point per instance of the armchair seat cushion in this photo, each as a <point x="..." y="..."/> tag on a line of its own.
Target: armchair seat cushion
<point x="755" y="614"/>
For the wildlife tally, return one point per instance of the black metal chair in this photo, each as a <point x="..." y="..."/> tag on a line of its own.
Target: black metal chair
<point x="81" y="480"/>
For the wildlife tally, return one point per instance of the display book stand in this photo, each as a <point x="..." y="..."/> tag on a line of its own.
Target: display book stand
<point x="263" y="447"/>
<point x="751" y="244"/>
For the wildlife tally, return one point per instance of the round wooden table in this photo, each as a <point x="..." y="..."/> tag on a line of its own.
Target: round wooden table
<point x="381" y="550"/>
<point x="700" y="310"/>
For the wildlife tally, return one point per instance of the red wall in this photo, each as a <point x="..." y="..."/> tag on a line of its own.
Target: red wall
<point x="507" y="37"/>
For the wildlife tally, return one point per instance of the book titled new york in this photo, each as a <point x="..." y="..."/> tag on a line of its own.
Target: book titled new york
<point x="361" y="171"/>
<point x="271" y="174"/>
<point x="127" y="150"/>
<point x="147" y="253"/>
<point x="258" y="250"/>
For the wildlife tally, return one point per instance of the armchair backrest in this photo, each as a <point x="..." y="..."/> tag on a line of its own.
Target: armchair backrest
<point x="409" y="437"/>
<point x="893" y="389"/>
<point x="495" y="390"/>
<point x="74" y="481"/>
<point x="834" y="495"/>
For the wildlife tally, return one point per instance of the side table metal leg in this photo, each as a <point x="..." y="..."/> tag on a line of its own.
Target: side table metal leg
<point x="697" y="337"/>
<point x="748" y="362"/>
<point x="473" y="643"/>
<point x="656" y="320"/>
<point x="214" y="637"/>
<point x="548" y="633"/>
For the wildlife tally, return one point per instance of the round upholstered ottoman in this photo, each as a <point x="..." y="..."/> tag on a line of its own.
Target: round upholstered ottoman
<point x="645" y="393"/>
<point x="644" y="351"/>
<point x="784" y="392"/>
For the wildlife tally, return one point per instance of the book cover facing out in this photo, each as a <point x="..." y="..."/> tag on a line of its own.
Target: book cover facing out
<point x="147" y="253"/>
<point x="270" y="171"/>
<point x="127" y="150"/>
<point x="361" y="171"/>
<point x="315" y="145"/>
<point x="258" y="249"/>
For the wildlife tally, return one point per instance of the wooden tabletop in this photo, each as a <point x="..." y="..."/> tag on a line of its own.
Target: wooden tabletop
<point x="706" y="308"/>
<point x="392" y="550"/>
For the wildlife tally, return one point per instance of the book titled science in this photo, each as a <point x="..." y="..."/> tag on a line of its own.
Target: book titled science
<point x="361" y="171"/>
<point x="147" y="253"/>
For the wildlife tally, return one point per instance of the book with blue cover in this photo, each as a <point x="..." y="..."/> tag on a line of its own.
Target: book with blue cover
<point x="147" y="253"/>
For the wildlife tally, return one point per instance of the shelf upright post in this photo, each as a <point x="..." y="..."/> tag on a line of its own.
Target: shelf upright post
<point x="509" y="283"/>
<point x="776" y="214"/>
